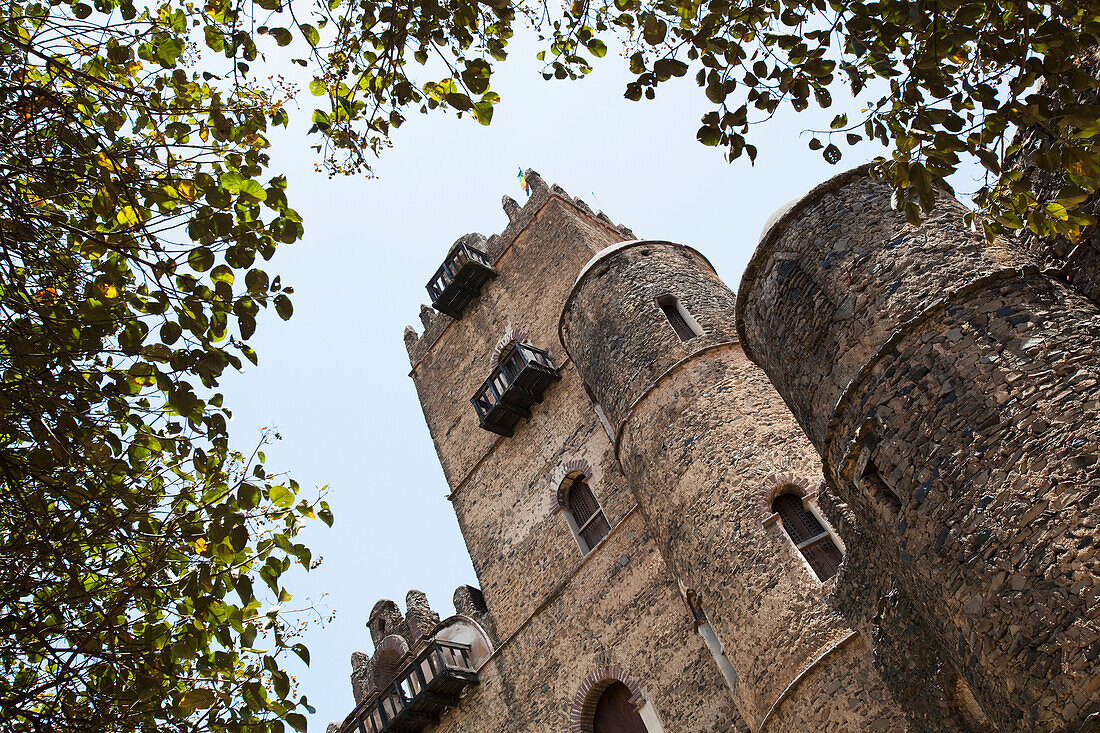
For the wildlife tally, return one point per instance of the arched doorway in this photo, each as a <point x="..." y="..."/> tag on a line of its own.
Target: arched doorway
<point x="615" y="713"/>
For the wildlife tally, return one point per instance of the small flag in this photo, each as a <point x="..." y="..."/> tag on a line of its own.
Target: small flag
<point x="523" y="182"/>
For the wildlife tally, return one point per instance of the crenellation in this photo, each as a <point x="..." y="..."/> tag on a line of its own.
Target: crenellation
<point x="362" y="684"/>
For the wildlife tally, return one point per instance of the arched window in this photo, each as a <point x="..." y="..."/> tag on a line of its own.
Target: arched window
<point x="678" y="317"/>
<point x="586" y="517"/>
<point x="814" y="541"/>
<point x="615" y="713"/>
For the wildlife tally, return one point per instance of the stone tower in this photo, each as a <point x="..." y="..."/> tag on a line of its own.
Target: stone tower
<point x="584" y="619"/>
<point x="861" y="495"/>
<point x="707" y="446"/>
<point x="616" y="481"/>
<point x="953" y="391"/>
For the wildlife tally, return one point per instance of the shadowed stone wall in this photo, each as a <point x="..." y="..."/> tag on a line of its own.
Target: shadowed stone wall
<point x="954" y="394"/>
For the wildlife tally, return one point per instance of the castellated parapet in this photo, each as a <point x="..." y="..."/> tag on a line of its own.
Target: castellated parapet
<point x="953" y="391"/>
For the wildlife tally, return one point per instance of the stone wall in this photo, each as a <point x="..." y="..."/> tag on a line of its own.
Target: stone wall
<point x="954" y="394"/>
<point x="619" y="609"/>
<point x="499" y="486"/>
<point x="706" y="443"/>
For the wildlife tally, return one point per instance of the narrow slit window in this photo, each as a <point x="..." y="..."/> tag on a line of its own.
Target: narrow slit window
<point x="681" y="321"/>
<point x="714" y="645"/>
<point x="880" y="493"/>
<point x="589" y="524"/>
<point x="808" y="535"/>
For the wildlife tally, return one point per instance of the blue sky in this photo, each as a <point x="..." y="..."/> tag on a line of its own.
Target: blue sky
<point x="334" y="379"/>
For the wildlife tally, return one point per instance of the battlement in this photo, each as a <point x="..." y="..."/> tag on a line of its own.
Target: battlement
<point x="519" y="217"/>
<point x="421" y="665"/>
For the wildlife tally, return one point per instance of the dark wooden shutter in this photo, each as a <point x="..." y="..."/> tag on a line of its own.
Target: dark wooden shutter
<point x="799" y="523"/>
<point x="824" y="557"/>
<point x="581" y="502"/>
<point x="615" y="713"/>
<point x="807" y="534"/>
<point x="589" y="518"/>
<point x="595" y="531"/>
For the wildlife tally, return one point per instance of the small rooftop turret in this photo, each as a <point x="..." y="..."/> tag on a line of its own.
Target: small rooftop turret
<point x="420" y="668"/>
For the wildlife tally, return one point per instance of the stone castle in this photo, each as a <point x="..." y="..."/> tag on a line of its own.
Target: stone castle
<point x="860" y="495"/>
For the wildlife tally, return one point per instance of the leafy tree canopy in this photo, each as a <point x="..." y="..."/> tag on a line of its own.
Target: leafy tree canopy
<point x="940" y="81"/>
<point x="141" y="587"/>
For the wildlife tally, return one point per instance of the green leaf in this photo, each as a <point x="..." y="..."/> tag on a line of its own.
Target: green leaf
<point x="128" y="217"/>
<point x="483" y="112"/>
<point x="282" y="36"/>
<point x="709" y="136"/>
<point x="281" y="496"/>
<point x="231" y="181"/>
<point x="214" y="38"/>
<point x="222" y="274"/>
<point x="251" y="188"/>
<point x="597" y="47"/>
<point x="1058" y="211"/>
<point x="654" y="30"/>
<point x="317" y="88"/>
<point x="283" y="307"/>
<point x="200" y="259"/>
<point x="325" y="513"/>
<point x="302" y="652"/>
<point x="198" y="699"/>
<point x="459" y="101"/>
<point x="311" y="35"/>
<point x="170" y="332"/>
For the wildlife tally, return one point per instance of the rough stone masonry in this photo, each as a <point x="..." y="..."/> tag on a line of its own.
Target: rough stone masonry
<point x="861" y="495"/>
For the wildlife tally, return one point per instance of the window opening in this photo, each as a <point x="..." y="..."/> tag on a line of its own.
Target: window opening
<point x="589" y="523"/>
<point x="880" y="493"/>
<point x="681" y="321"/>
<point x="808" y="535"/>
<point x="714" y="644"/>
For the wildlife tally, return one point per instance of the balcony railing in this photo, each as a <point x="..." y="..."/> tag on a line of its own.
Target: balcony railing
<point x="459" y="280"/>
<point x="519" y="380"/>
<point x="433" y="682"/>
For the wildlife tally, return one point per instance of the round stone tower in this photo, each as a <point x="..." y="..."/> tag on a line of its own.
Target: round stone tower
<point x="708" y="446"/>
<point x="953" y="392"/>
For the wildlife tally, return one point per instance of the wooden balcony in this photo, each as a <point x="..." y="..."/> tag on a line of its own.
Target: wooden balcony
<point x="519" y="381"/>
<point x="431" y="683"/>
<point x="459" y="280"/>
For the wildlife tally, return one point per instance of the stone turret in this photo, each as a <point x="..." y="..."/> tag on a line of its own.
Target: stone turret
<point x="707" y="445"/>
<point x="953" y="392"/>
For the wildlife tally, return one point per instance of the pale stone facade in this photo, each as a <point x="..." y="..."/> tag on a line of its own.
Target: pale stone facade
<point x="698" y="580"/>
